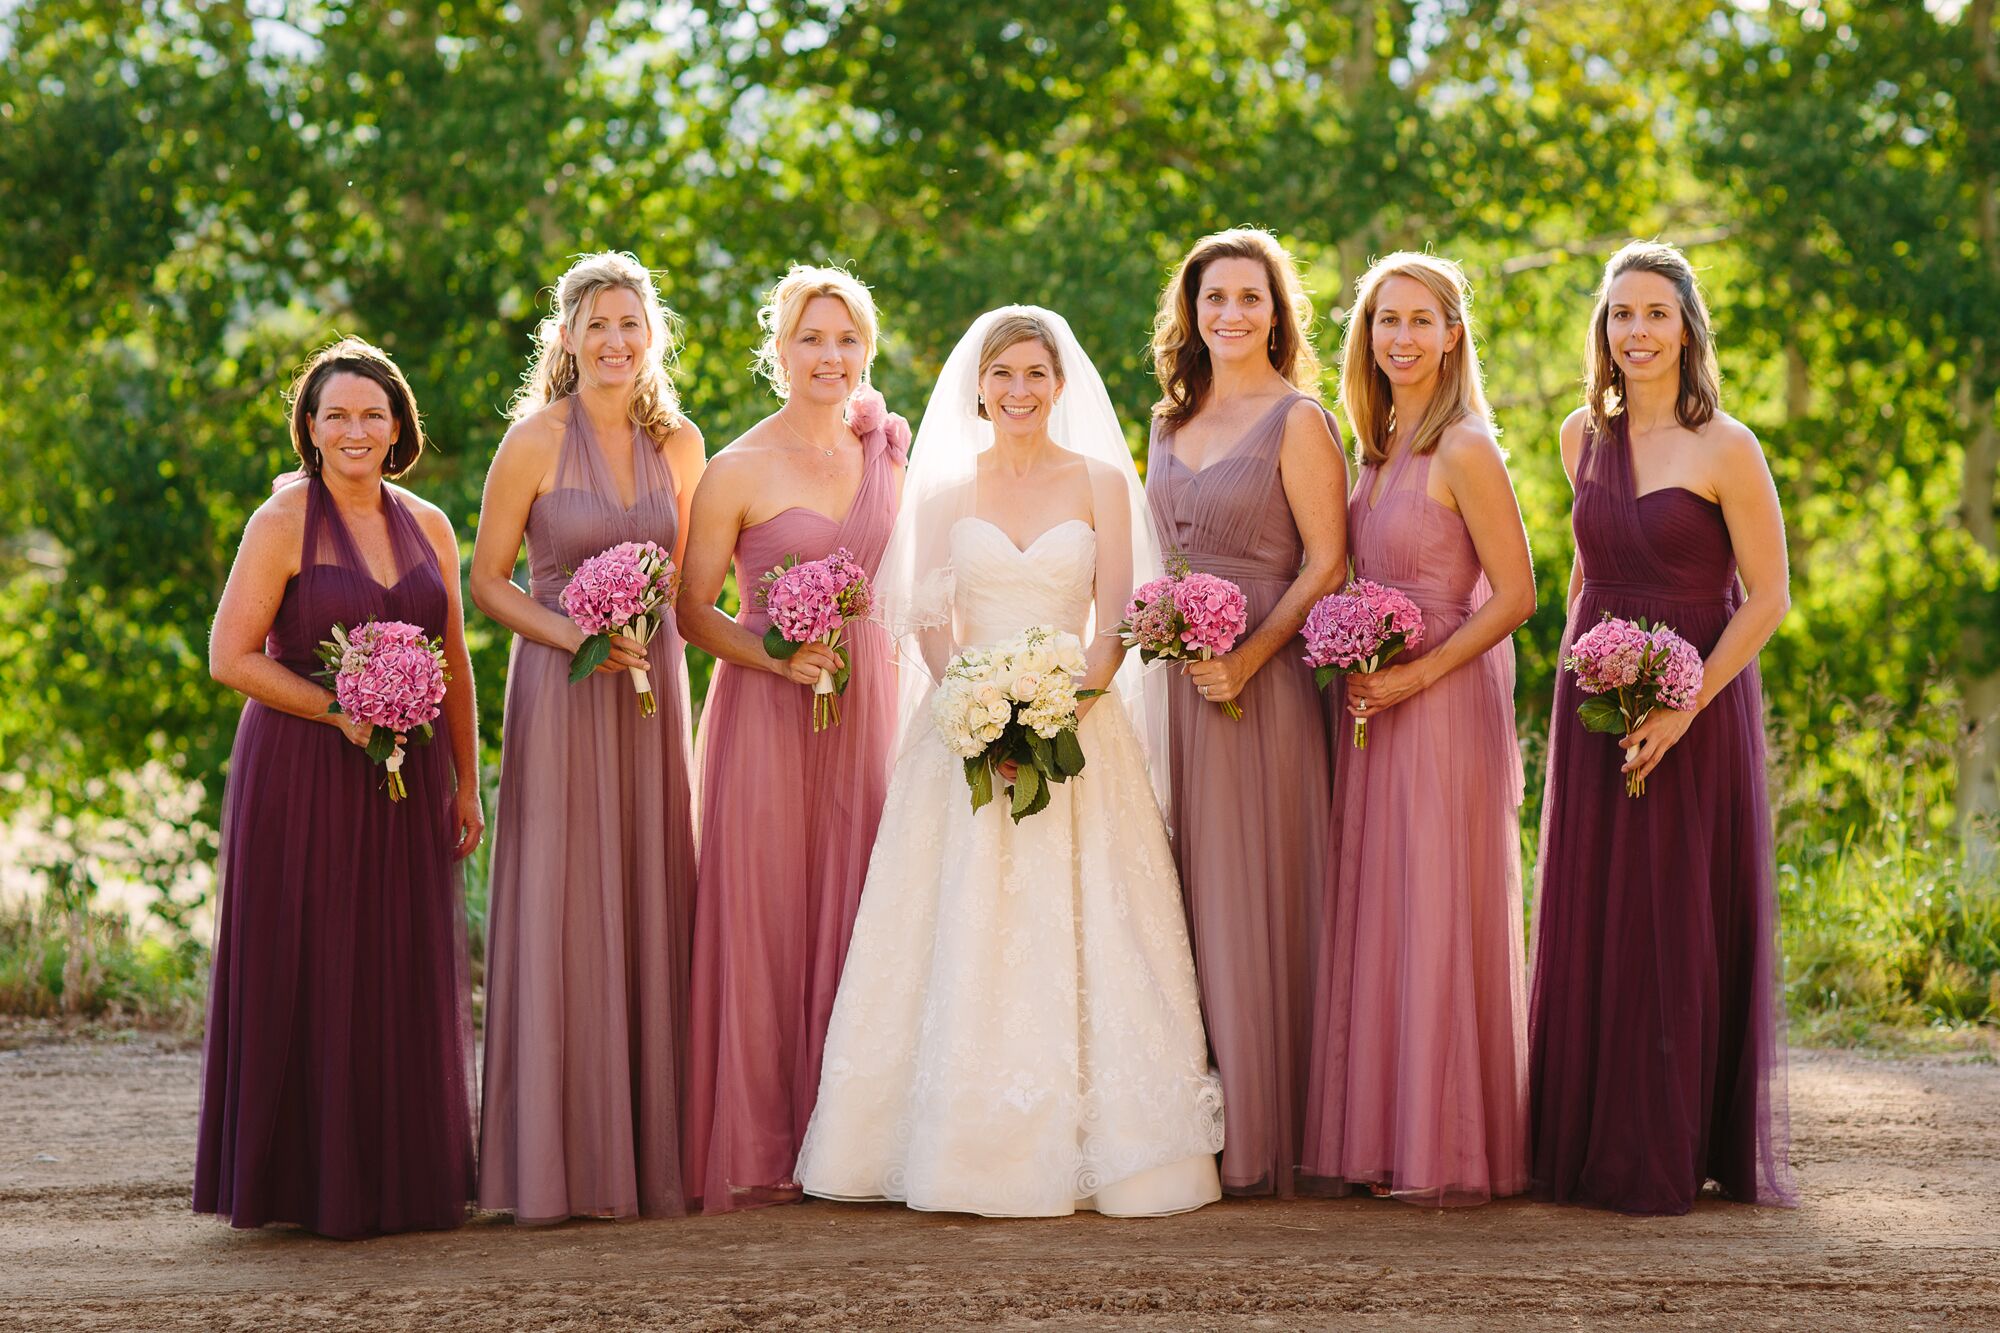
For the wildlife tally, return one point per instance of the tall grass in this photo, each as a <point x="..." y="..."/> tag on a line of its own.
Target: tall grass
<point x="61" y="957"/>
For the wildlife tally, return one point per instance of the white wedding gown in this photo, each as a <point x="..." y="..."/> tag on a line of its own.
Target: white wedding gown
<point x="1017" y="1031"/>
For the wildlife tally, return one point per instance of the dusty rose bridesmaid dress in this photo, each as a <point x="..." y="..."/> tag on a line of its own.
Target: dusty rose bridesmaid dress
<point x="788" y="820"/>
<point x="1420" y="1044"/>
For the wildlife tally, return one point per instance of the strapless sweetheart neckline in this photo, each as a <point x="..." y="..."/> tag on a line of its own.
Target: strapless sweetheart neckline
<point x="1045" y="534"/>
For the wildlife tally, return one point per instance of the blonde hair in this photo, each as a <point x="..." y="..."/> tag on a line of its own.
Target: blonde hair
<point x="1701" y="379"/>
<point x="1008" y="331"/>
<point x="785" y="305"/>
<point x="555" y="374"/>
<point x="1180" y="357"/>
<point x="1364" y="387"/>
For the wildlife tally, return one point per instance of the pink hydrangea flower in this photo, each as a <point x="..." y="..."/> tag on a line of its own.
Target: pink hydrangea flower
<point x="812" y="601"/>
<point x="1214" y="612"/>
<point x="1183" y="616"/>
<point x="391" y="675"/>
<point x="622" y="589"/>
<point x="1629" y="668"/>
<point x="1359" y="629"/>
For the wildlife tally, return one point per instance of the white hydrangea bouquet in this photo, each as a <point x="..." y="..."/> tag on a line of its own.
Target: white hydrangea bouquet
<point x="1014" y="701"/>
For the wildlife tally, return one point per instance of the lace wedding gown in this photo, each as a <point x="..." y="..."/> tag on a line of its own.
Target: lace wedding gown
<point x="1017" y="1031"/>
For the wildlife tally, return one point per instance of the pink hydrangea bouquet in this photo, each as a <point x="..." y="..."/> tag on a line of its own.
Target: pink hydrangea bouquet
<point x="1629" y="668"/>
<point x="1014" y="701"/>
<point x="619" y="590"/>
<point x="1182" y="616"/>
<point x="390" y="674"/>
<point x="812" y="601"/>
<point x="1359" y="629"/>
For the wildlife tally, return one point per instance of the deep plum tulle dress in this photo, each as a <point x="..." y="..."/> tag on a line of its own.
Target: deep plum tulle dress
<point x="337" y="1070"/>
<point x="593" y="888"/>
<point x="1420" y="1043"/>
<point x="788" y="820"/>
<point x="1250" y="801"/>
<point x="1656" y="1052"/>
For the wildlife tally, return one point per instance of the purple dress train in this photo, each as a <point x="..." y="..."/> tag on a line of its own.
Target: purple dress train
<point x="788" y="820"/>
<point x="593" y="888"/>
<point x="1250" y="801"/>
<point x="1420" y="1048"/>
<point x="337" y="1071"/>
<point x="1656" y="1053"/>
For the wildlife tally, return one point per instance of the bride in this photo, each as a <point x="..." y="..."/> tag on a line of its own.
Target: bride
<point x="1017" y="1031"/>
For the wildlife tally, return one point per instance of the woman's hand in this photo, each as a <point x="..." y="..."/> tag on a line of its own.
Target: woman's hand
<point x="1373" y="693"/>
<point x="1647" y="744"/>
<point x="1220" y="679"/>
<point x="284" y="479"/>
<point x="471" y="821"/>
<point x="1008" y="771"/>
<point x="804" y="666"/>
<point x="357" y="731"/>
<point x="627" y="654"/>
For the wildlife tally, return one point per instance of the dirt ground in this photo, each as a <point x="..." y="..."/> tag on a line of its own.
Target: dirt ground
<point x="1899" y="1161"/>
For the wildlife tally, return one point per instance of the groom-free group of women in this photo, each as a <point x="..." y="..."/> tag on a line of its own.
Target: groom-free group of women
<point x="1238" y="956"/>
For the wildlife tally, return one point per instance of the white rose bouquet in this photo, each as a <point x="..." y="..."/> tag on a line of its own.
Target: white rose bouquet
<point x="1015" y="701"/>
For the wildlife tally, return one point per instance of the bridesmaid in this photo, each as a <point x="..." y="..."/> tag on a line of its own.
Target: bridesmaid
<point x="337" y="1074"/>
<point x="1244" y="479"/>
<point x="1655" y="1059"/>
<point x="593" y="848"/>
<point x="1420" y="1046"/>
<point x="788" y="816"/>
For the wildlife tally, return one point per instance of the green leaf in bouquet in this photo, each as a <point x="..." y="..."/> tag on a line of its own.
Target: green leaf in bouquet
<point x="1069" y="752"/>
<point x="979" y="777"/>
<point x="777" y="645"/>
<point x="335" y="707"/>
<point x="425" y="734"/>
<point x="1081" y="695"/>
<point x="1600" y="713"/>
<point x="591" y="654"/>
<point x="381" y="744"/>
<point x="1043" y="752"/>
<point x="1028" y="785"/>
<point x="1324" y="676"/>
<point x="844" y="674"/>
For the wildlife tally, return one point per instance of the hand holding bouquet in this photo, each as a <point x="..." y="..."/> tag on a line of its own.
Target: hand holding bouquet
<point x="1185" y="617"/>
<point x="1016" y="701"/>
<point x="389" y="674"/>
<point x="619" y="590"/>
<point x="1359" y="629"/>
<point x="1630" y="668"/>
<point x="812" y="601"/>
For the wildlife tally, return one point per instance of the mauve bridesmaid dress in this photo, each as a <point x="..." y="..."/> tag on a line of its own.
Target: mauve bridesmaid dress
<point x="593" y="888"/>
<point x="1250" y="801"/>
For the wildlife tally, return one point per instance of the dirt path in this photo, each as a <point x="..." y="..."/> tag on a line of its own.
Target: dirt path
<point x="1899" y="1161"/>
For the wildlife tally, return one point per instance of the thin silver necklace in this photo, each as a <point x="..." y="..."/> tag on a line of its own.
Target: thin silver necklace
<point x="800" y="437"/>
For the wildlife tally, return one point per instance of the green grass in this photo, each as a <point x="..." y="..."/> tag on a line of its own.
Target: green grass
<point x="90" y="964"/>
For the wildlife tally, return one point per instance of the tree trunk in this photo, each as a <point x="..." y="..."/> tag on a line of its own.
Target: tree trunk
<point x="1979" y="683"/>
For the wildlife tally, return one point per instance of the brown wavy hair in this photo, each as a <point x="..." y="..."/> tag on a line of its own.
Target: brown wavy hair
<point x="1180" y="357"/>
<point x="554" y="374"/>
<point x="1701" y="378"/>
<point x="1364" y="388"/>
<point x="355" y="356"/>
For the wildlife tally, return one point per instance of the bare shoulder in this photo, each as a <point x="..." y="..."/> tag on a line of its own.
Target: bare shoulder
<point x="1732" y="441"/>
<point x="1571" y="439"/>
<point x="684" y="441"/>
<point x="1469" y="448"/>
<point x="436" y="524"/>
<point x="1307" y="421"/>
<point x="277" y="526"/>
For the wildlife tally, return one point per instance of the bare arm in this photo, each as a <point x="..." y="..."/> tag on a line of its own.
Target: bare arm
<point x="1111" y="516"/>
<point x="524" y="459"/>
<point x="1314" y="474"/>
<point x="1572" y="458"/>
<point x="1757" y="532"/>
<point x="687" y="460"/>
<point x="716" y="521"/>
<point x="460" y="696"/>
<point x="266" y="560"/>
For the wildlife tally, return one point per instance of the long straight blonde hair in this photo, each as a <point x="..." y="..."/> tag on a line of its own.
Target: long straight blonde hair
<point x="554" y="373"/>
<point x="1364" y="388"/>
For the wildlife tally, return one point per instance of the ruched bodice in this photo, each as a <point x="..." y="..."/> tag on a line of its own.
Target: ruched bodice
<point x="1001" y="589"/>
<point x="1670" y="544"/>
<point x="583" y="512"/>
<point x="1231" y="518"/>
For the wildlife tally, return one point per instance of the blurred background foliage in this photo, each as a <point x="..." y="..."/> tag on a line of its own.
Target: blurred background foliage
<point x="200" y="193"/>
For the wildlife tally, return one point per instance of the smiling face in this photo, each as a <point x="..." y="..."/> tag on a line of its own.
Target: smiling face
<point x="1234" y="309"/>
<point x="826" y="354"/>
<point x="1409" y="333"/>
<point x="1645" y="327"/>
<point x="610" y="339"/>
<point x="353" y="427"/>
<point x="1019" y="388"/>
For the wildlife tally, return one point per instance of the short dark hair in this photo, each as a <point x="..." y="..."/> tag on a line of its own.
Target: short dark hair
<point x="356" y="356"/>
